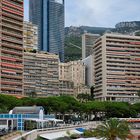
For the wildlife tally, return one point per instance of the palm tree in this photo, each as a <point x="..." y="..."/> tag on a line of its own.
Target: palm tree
<point x="113" y="129"/>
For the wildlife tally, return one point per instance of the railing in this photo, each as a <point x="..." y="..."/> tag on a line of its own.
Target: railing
<point x="13" y="3"/>
<point x="13" y="16"/>
<point x="12" y="26"/>
<point x="12" y="20"/>
<point x="11" y="11"/>
<point x="12" y="52"/>
<point x="12" y="45"/>
<point x="12" y="39"/>
<point x="33" y="134"/>
<point x="12" y="33"/>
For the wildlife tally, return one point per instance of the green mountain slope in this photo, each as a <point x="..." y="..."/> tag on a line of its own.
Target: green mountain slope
<point x="73" y="40"/>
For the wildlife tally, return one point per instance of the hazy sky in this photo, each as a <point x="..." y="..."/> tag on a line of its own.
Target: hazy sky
<point x="97" y="13"/>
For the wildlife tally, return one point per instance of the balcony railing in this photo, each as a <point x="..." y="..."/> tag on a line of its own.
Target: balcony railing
<point x="12" y="52"/>
<point x="12" y="11"/>
<point x="11" y="39"/>
<point x="17" y="71"/>
<point x="11" y="83"/>
<point x="12" y="16"/>
<point x="13" y="3"/>
<point x="11" y="57"/>
<point x="12" y="45"/>
<point x="12" y="26"/>
<point x="12" y="33"/>
<point x="12" y="21"/>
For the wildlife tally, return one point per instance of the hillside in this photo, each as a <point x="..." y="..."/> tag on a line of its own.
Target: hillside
<point x="71" y="52"/>
<point x="73" y="40"/>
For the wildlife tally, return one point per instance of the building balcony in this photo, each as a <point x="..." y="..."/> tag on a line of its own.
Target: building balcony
<point x="13" y="4"/>
<point x="9" y="45"/>
<point x="11" y="52"/>
<point x="12" y="16"/>
<point x="11" y="83"/>
<point x="12" y="21"/>
<point x="99" y="74"/>
<point x="12" y="65"/>
<point x="26" y="82"/>
<point x="11" y="69"/>
<point x="14" y="34"/>
<point x="11" y="58"/>
<point x="12" y="26"/>
<point x="12" y="8"/>
<point x="12" y="40"/>
<point x="7" y="88"/>
<point x="122" y="93"/>
<point x="7" y="9"/>
<point x="11" y="80"/>
<point x="12" y="76"/>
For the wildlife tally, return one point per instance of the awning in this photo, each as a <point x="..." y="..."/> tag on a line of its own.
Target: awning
<point x="55" y="120"/>
<point x="36" y="120"/>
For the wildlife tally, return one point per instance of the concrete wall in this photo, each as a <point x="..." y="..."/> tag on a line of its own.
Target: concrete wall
<point x="32" y="135"/>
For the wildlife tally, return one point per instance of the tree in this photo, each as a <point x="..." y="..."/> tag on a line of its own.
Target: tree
<point x="84" y="97"/>
<point x="119" y="110"/>
<point x="112" y="129"/>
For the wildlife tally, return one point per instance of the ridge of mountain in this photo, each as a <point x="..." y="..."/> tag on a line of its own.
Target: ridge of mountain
<point x="73" y="36"/>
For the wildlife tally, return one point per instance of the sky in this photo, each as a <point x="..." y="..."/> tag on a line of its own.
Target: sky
<point x="98" y="13"/>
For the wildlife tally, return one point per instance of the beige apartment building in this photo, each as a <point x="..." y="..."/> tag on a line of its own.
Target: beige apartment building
<point x="41" y="74"/>
<point x="117" y="67"/>
<point x="30" y="32"/>
<point x="88" y="40"/>
<point x="73" y="72"/>
<point x="66" y="87"/>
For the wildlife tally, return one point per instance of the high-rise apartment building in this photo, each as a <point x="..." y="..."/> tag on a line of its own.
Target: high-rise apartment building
<point x="73" y="71"/>
<point x="48" y="15"/>
<point x="30" y="32"/>
<point x="117" y="67"/>
<point x="41" y="74"/>
<point x="88" y="40"/>
<point x="72" y="77"/>
<point x="11" y="47"/>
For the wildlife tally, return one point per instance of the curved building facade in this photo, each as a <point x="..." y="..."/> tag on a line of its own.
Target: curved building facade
<point x="49" y="16"/>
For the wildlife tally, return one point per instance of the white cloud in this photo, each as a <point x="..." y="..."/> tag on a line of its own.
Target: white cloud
<point x="100" y="12"/>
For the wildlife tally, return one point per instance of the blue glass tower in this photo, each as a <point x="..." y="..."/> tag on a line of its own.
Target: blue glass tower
<point x="49" y="16"/>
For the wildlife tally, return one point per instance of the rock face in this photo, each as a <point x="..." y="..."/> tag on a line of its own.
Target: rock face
<point x="127" y="27"/>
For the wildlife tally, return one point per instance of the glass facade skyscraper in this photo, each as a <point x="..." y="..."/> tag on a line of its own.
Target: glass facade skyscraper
<point x="48" y="15"/>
